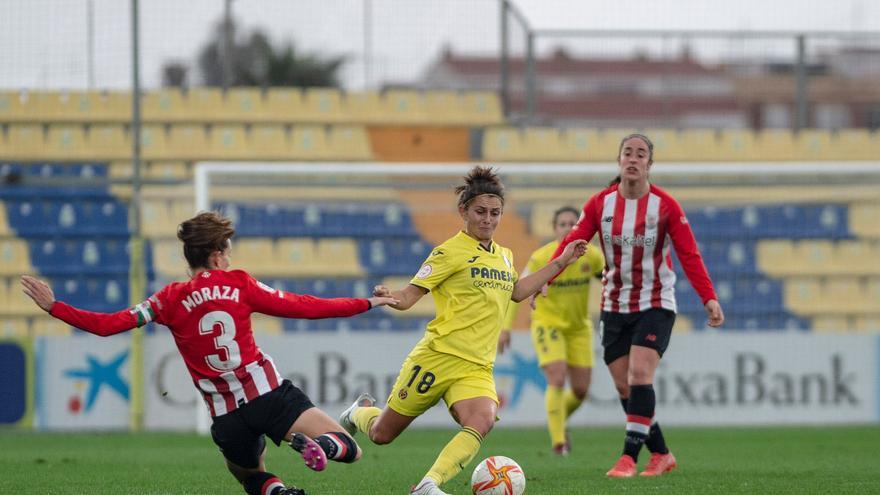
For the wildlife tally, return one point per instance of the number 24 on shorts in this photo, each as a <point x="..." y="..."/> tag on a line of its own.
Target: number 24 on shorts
<point x="425" y="383"/>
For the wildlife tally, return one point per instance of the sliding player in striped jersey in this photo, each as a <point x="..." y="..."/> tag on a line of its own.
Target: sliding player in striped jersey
<point x="210" y="319"/>
<point x="637" y="224"/>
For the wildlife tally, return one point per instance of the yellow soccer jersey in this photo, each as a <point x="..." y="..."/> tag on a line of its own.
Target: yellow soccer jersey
<point x="471" y="288"/>
<point x="565" y="306"/>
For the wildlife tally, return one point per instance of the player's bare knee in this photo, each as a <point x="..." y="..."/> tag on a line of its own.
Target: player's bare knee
<point x="380" y="437"/>
<point x="580" y="392"/>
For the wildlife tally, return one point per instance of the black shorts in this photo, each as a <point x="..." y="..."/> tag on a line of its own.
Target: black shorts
<point x="620" y="331"/>
<point x="239" y="433"/>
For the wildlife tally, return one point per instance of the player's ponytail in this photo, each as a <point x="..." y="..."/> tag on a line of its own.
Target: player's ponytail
<point x="480" y="180"/>
<point x="202" y="235"/>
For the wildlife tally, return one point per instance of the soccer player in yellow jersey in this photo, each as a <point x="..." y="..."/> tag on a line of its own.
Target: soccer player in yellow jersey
<point x="473" y="280"/>
<point x="562" y="332"/>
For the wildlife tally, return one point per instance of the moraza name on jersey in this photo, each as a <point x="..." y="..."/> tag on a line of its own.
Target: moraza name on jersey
<point x="204" y="294"/>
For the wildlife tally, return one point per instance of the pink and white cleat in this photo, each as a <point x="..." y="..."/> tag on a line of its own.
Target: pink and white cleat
<point x="312" y="453"/>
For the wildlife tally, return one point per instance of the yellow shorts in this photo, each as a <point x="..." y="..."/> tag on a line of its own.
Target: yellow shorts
<point x="428" y="376"/>
<point x="574" y="346"/>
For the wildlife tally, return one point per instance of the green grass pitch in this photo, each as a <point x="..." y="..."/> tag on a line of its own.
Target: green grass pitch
<point x="711" y="460"/>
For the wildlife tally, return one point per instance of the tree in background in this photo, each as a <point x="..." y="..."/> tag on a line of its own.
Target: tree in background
<point x="255" y="62"/>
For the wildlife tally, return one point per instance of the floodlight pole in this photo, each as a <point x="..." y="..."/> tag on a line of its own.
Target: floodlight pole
<point x="137" y="271"/>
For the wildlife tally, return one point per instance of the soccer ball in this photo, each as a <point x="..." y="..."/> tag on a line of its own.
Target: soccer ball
<point x="498" y="475"/>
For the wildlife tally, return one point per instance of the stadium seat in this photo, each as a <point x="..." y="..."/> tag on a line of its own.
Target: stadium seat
<point x="266" y="325"/>
<point x="482" y="108"/>
<point x="814" y="145"/>
<point x="167" y="171"/>
<point x="815" y="256"/>
<point x="110" y="106"/>
<point x="804" y="296"/>
<point x="4" y="222"/>
<point x="66" y="142"/>
<point x="872" y="295"/>
<point x="405" y="106"/>
<point x="843" y="295"/>
<point x="365" y="107"/>
<point x="425" y="306"/>
<point x="867" y="323"/>
<point x="863" y="219"/>
<point x="349" y="142"/>
<point x="338" y="257"/>
<point x="296" y="257"/>
<point x="165" y="105"/>
<point x="737" y="145"/>
<point x="49" y="327"/>
<point x="542" y="144"/>
<point x="503" y="144"/>
<point x="154" y="142"/>
<point x="268" y="142"/>
<point x="857" y="144"/>
<point x="17" y="302"/>
<point x="156" y="219"/>
<point x="308" y="142"/>
<point x="444" y="107"/>
<point x="775" y="145"/>
<point x="14" y="257"/>
<point x="243" y="105"/>
<point x="16" y="106"/>
<point x="228" y="142"/>
<point x="188" y="142"/>
<point x="832" y="323"/>
<point x="700" y="144"/>
<point x="667" y="145"/>
<point x="204" y="104"/>
<point x="856" y="257"/>
<point x="776" y="257"/>
<point x="108" y="142"/>
<point x="12" y="328"/>
<point x="322" y="105"/>
<point x="168" y="260"/>
<point x="284" y="105"/>
<point x="25" y="142"/>
<point x="255" y="254"/>
<point x="608" y="145"/>
<point x="65" y="106"/>
<point x="580" y="145"/>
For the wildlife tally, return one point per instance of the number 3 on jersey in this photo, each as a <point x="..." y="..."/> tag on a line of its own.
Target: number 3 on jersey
<point x="221" y="320"/>
<point x="427" y="380"/>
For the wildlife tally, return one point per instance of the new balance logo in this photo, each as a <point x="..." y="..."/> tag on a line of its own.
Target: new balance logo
<point x="651" y="337"/>
<point x="608" y="219"/>
<point x="473" y="259"/>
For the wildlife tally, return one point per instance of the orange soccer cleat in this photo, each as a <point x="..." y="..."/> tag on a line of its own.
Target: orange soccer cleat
<point x="659" y="464"/>
<point x="625" y="467"/>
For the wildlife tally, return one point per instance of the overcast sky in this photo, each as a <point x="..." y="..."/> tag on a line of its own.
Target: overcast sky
<point x="45" y="42"/>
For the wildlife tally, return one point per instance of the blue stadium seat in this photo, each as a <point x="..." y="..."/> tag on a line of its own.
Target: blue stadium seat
<point x="71" y="256"/>
<point x="394" y="256"/>
<point x="106" y="294"/>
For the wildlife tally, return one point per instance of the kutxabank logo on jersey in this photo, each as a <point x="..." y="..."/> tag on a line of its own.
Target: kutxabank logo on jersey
<point x="630" y="240"/>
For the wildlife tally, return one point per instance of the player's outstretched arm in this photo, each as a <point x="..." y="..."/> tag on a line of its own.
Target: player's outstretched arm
<point x="102" y="324"/>
<point x="405" y="297"/>
<point x="531" y="284"/>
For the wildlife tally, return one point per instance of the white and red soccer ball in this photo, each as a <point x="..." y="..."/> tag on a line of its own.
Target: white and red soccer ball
<point x="498" y="475"/>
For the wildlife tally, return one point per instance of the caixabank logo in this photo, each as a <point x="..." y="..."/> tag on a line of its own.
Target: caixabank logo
<point x="514" y="376"/>
<point x="94" y="376"/>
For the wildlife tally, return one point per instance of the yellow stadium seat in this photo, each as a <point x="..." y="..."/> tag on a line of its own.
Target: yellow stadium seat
<point x="284" y="105"/>
<point x="738" y="145"/>
<point x="502" y="144"/>
<point x="4" y="223"/>
<point x="15" y="256"/>
<point x="872" y="294"/>
<point x="542" y="144"/>
<point x="682" y="324"/>
<point x="482" y="107"/>
<point x="607" y="148"/>
<point x="268" y="141"/>
<point x="444" y="107"/>
<point x="843" y="295"/>
<point x="18" y="303"/>
<point x="50" y="327"/>
<point x="188" y="142"/>
<point x="803" y="296"/>
<point x="180" y="211"/>
<point x="667" y="145"/>
<point x="120" y="170"/>
<point x="25" y="142"/>
<point x="322" y="105"/>
<point x="110" y="106"/>
<point x="156" y="219"/>
<point x="256" y="255"/>
<point x="17" y="106"/>
<point x="308" y="142"/>
<point x="13" y="328"/>
<point x="228" y="142"/>
<point x="168" y="259"/>
<point x="815" y="256"/>
<point x="579" y="145"/>
<point x="831" y="323"/>
<point x="349" y="142"/>
<point x="266" y="325"/>
<point x="66" y="106"/>
<point x="66" y="142"/>
<point x="867" y="323"/>
<point x="165" y="171"/>
<point x="243" y="105"/>
<point x="339" y="257"/>
<point x="701" y="144"/>
<point x="365" y="107"/>
<point x="204" y="104"/>
<point x="541" y="219"/>
<point x="296" y="257"/>
<point x="857" y="257"/>
<point x="425" y="306"/>
<point x="863" y="219"/>
<point x="813" y="144"/>
<point x="856" y="144"/>
<point x="775" y="145"/>
<point x="108" y="142"/>
<point x="165" y="105"/>
<point x="405" y="106"/>
<point x="154" y="142"/>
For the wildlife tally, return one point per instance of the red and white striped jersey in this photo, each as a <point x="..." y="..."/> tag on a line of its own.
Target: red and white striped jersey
<point x="635" y="235"/>
<point x="210" y="320"/>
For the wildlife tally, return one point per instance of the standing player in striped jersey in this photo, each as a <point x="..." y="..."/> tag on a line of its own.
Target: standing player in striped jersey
<point x="637" y="224"/>
<point x="562" y="332"/>
<point x="210" y="319"/>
